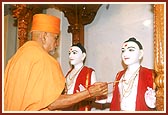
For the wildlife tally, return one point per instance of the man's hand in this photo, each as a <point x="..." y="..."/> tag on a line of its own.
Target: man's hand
<point x="67" y="100"/>
<point x="98" y="89"/>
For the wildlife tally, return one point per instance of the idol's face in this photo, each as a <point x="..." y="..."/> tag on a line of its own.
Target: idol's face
<point x="75" y="55"/>
<point x="131" y="53"/>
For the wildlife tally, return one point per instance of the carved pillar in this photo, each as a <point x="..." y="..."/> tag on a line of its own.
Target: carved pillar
<point x="77" y="33"/>
<point x="22" y="31"/>
<point x="75" y="26"/>
<point x="78" y="16"/>
<point x="159" y="54"/>
<point x="23" y="14"/>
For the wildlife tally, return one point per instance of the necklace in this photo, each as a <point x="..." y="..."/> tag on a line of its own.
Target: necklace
<point x="128" y="84"/>
<point x="70" y="78"/>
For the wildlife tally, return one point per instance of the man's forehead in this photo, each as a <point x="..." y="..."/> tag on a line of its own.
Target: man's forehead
<point x="130" y="44"/>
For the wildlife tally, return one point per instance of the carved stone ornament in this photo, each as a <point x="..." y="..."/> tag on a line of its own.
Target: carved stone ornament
<point x="159" y="54"/>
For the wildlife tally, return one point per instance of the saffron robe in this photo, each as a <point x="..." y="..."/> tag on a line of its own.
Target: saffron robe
<point x="145" y="80"/>
<point x="33" y="79"/>
<point x="83" y="78"/>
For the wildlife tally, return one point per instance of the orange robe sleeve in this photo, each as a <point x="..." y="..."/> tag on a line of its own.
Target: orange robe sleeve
<point x="33" y="80"/>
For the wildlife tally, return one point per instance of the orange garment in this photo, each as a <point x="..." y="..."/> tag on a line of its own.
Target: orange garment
<point x="46" y="23"/>
<point x="33" y="79"/>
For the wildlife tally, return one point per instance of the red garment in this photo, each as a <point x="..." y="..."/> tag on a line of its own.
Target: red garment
<point x="145" y="80"/>
<point x="84" y="78"/>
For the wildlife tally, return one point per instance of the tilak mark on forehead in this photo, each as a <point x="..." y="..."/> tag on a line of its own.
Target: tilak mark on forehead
<point x="125" y="45"/>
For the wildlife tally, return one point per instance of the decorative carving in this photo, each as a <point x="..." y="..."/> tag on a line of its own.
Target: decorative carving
<point x="159" y="54"/>
<point x="20" y="12"/>
<point x="22" y="30"/>
<point x="23" y="14"/>
<point x="78" y="15"/>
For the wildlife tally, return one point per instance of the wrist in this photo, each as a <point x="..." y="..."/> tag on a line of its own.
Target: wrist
<point x="89" y="92"/>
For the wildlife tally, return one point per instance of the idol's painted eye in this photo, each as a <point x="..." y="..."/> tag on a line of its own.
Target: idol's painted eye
<point x="131" y="50"/>
<point x="74" y="52"/>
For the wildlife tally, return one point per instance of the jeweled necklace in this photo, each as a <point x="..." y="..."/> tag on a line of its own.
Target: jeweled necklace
<point x="71" y="77"/>
<point x="129" y="84"/>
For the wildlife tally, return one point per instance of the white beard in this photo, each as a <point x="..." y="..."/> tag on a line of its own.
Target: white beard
<point x="52" y="52"/>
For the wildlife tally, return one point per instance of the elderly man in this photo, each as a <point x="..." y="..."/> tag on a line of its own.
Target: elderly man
<point x="39" y="83"/>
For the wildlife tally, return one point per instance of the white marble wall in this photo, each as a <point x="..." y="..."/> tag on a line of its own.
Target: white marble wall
<point x="9" y="38"/>
<point x="111" y="27"/>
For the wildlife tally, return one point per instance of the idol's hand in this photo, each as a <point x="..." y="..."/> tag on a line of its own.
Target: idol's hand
<point x="98" y="89"/>
<point x="150" y="97"/>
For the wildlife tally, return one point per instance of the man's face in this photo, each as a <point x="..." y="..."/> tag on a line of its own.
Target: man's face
<point x="131" y="53"/>
<point x="75" y="55"/>
<point x="51" y="42"/>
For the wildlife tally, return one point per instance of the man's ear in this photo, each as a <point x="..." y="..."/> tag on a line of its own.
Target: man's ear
<point x="141" y="54"/>
<point x="43" y="37"/>
<point x="84" y="56"/>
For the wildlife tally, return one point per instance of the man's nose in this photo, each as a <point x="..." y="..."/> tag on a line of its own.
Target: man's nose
<point x="56" y="43"/>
